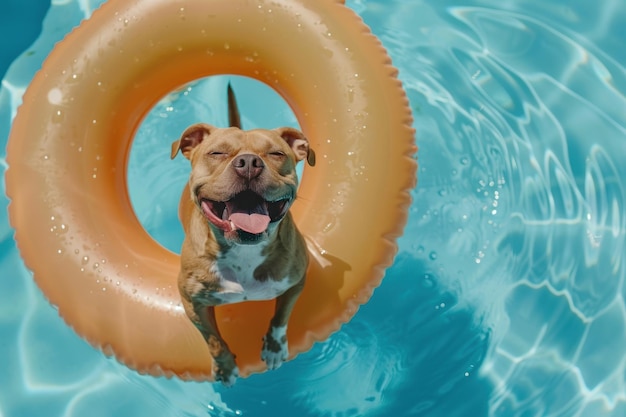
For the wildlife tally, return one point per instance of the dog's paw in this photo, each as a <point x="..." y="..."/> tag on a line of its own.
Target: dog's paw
<point x="275" y="350"/>
<point x="226" y="375"/>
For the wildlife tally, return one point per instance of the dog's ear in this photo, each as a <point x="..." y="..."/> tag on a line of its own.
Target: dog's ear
<point x="191" y="137"/>
<point x="298" y="143"/>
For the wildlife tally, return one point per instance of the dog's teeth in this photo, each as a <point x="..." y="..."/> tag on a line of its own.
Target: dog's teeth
<point x="232" y="226"/>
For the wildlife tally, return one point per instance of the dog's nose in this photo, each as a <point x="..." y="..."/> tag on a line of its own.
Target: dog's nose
<point x="248" y="166"/>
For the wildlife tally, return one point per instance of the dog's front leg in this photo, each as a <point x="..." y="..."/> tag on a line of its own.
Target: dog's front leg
<point x="224" y="366"/>
<point x="275" y="347"/>
<point x="203" y="317"/>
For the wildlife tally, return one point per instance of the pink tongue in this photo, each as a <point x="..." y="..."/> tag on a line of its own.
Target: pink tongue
<point x="252" y="223"/>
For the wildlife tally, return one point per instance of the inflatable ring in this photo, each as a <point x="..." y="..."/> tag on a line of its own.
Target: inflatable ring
<point x="71" y="138"/>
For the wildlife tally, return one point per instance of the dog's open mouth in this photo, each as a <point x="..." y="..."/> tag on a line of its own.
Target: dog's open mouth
<point x="246" y="211"/>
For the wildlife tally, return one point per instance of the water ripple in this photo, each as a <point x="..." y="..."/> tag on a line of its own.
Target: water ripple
<point x="521" y="126"/>
<point x="349" y="374"/>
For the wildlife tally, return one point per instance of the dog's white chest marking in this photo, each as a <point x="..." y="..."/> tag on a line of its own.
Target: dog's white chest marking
<point x="236" y="273"/>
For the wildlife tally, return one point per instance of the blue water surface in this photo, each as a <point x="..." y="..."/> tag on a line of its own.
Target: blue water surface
<point x="507" y="295"/>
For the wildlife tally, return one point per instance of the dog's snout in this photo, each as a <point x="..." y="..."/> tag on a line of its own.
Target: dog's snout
<point x="248" y="165"/>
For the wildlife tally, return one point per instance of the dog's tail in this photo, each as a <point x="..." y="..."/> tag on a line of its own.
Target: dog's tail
<point x="234" y="120"/>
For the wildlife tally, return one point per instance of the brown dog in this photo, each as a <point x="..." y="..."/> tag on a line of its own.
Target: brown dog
<point x="241" y="242"/>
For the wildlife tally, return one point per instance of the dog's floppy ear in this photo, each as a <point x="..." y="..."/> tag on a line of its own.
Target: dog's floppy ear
<point x="191" y="137"/>
<point x="298" y="143"/>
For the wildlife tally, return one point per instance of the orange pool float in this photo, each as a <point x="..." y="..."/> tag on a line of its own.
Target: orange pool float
<point x="69" y="147"/>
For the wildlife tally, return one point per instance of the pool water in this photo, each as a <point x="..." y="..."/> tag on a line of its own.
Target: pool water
<point x="507" y="296"/>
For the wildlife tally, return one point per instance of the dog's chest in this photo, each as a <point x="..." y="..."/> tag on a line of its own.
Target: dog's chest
<point x="235" y="271"/>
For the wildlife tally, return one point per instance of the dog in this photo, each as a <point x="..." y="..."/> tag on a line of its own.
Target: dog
<point x="240" y="240"/>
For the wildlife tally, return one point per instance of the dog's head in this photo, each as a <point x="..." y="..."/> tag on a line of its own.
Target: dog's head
<point x="243" y="182"/>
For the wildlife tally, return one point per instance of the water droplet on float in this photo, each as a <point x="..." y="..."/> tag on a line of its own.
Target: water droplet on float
<point x="58" y="115"/>
<point x="432" y="255"/>
<point x="55" y="96"/>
